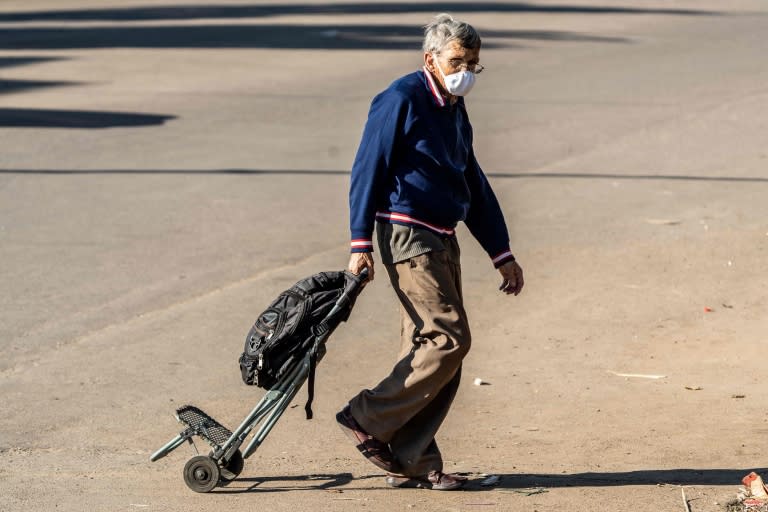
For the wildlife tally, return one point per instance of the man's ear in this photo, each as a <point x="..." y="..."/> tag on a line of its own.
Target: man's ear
<point x="429" y="62"/>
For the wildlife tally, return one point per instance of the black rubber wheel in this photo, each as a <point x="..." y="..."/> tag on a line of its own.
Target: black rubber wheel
<point x="201" y="473"/>
<point x="232" y="469"/>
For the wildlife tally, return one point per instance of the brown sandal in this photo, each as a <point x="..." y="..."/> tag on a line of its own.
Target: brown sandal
<point x="435" y="480"/>
<point x="377" y="452"/>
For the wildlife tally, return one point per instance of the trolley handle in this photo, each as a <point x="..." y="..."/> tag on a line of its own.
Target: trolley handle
<point x="344" y="300"/>
<point x="355" y="287"/>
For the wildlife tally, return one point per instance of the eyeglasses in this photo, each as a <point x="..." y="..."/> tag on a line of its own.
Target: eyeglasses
<point x="464" y="66"/>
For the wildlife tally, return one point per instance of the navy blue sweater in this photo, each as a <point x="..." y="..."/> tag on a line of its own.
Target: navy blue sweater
<point x="416" y="166"/>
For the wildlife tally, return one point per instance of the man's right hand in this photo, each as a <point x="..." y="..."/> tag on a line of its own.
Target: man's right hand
<point x="360" y="260"/>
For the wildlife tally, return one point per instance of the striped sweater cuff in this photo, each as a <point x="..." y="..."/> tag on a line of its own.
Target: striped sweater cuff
<point x="502" y="258"/>
<point x="361" y="245"/>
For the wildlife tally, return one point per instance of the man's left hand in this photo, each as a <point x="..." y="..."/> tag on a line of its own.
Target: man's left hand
<point x="513" y="278"/>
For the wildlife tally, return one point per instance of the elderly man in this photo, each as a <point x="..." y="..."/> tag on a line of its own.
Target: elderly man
<point x="415" y="177"/>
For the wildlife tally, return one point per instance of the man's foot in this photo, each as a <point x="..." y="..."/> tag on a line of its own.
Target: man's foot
<point x="377" y="452"/>
<point x="435" y="480"/>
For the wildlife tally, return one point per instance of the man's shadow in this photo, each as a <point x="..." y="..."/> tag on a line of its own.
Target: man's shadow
<point x="681" y="476"/>
<point x="525" y="483"/>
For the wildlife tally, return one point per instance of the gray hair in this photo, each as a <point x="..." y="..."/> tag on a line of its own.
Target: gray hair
<point x="444" y="28"/>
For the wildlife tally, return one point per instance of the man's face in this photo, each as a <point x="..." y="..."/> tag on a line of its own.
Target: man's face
<point x="453" y="58"/>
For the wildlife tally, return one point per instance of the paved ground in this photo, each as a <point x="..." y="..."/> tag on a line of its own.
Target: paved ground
<point x="167" y="168"/>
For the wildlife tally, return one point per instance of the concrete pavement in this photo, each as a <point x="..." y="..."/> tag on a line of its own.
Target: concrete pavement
<point x="166" y="169"/>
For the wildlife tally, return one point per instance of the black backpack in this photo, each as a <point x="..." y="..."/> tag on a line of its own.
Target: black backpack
<point x="293" y="325"/>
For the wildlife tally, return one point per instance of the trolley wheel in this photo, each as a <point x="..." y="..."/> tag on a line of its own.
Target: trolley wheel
<point x="201" y="473"/>
<point x="232" y="469"/>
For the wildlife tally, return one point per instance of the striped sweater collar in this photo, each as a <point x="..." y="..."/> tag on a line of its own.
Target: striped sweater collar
<point x="434" y="90"/>
<point x="438" y="98"/>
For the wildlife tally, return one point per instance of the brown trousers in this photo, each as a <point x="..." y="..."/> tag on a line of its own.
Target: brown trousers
<point x="407" y="408"/>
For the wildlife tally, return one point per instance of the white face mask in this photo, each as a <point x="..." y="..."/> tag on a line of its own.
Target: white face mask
<point x="458" y="84"/>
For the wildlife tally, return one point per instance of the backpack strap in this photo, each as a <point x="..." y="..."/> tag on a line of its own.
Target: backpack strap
<point x="319" y="331"/>
<point x="310" y="385"/>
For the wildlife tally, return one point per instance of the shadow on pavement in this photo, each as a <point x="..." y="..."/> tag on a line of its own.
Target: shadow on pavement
<point x="9" y="86"/>
<point x="321" y="172"/>
<point x="45" y="118"/>
<point x="328" y="37"/>
<point x="683" y="476"/>
<point x="6" y="62"/>
<point x="190" y="12"/>
<point x="524" y="483"/>
<point x="13" y="86"/>
<point x="288" y="483"/>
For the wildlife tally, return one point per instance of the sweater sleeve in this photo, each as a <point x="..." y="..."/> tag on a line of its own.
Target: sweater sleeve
<point x="485" y="219"/>
<point x="377" y="149"/>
